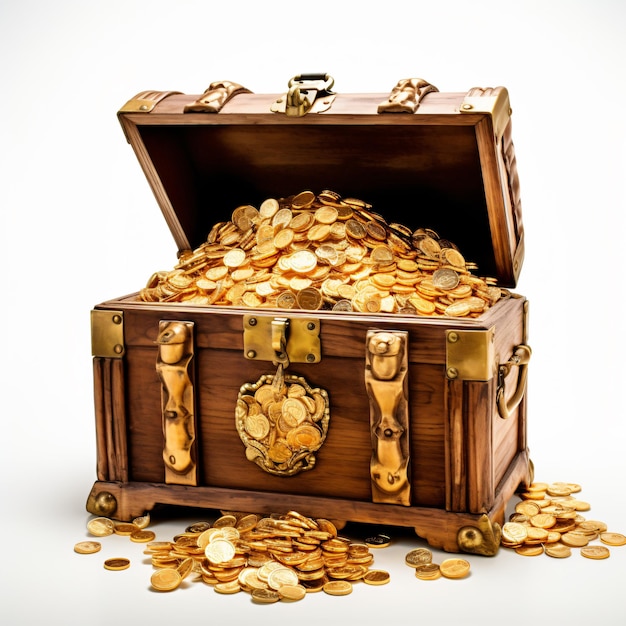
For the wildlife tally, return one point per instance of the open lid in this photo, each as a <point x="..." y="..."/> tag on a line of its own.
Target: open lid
<point x="421" y="158"/>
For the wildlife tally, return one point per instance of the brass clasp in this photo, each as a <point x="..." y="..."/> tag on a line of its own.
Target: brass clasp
<point x="520" y="358"/>
<point x="308" y="93"/>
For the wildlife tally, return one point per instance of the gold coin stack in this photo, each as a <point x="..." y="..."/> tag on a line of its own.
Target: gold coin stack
<point x="324" y="252"/>
<point x="272" y="558"/>
<point x="548" y="520"/>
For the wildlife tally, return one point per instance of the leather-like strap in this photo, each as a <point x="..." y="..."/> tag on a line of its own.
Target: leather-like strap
<point x="215" y="97"/>
<point x="406" y="96"/>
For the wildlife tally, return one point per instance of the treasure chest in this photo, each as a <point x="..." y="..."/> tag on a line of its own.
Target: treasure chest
<point x="273" y="367"/>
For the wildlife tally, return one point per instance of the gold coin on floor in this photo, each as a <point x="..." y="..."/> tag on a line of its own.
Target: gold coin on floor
<point x="338" y="587"/>
<point x="595" y="552"/>
<point x="454" y="568"/>
<point x="142" y="536"/>
<point x="117" y="564"/>
<point x="87" y="547"/>
<point x="376" y="577"/>
<point x="165" y="579"/>
<point x="613" y="539"/>
<point x="558" y="551"/>
<point x="264" y="596"/>
<point x="100" y="526"/>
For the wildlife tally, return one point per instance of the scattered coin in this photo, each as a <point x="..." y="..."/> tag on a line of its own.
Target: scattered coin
<point x="419" y="556"/>
<point x="338" y="587"/>
<point x="378" y="541"/>
<point x="376" y="577"/>
<point x="116" y="564"/>
<point x="87" y="547"/>
<point x="165" y="579"/>
<point x="142" y="536"/>
<point x="100" y="527"/>
<point x="454" y="568"/>
<point x="595" y="552"/>
<point x="613" y="539"/>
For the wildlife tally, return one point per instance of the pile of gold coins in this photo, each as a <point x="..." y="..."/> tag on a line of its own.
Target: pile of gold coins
<point x="324" y="252"/>
<point x="549" y="520"/>
<point x="272" y="558"/>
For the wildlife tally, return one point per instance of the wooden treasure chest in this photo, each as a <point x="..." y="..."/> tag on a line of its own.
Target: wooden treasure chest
<point x="337" y="335"/>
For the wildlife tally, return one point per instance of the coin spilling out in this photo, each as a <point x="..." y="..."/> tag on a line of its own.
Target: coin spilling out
<point x="548" y="520"/>
<point x="326" y="253"/>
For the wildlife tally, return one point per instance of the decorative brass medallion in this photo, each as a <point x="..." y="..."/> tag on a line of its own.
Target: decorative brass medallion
<point x="282" y="422"/>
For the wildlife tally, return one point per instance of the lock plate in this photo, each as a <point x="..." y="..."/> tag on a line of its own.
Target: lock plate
<point x="301" y="338"/>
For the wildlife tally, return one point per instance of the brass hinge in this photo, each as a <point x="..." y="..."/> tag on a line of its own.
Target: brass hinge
<point x="494" y="102"/>
<point x="281" y="339"/>
<point x="308" y="93"/>
<point x="470" y="354"/>
<point x="107" y="334"/>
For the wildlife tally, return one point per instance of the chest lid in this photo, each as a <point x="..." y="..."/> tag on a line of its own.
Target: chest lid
<point x="420" y="157"/>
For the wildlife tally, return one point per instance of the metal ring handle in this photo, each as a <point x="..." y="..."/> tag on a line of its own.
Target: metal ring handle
<point x="520" y="358"/>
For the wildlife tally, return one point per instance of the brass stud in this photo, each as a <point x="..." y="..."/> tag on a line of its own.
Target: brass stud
<point x="452" y="372"/>
<point x="453" y="337"/>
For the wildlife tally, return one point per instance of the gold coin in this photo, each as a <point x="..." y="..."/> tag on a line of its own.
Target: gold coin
<point x="613" y="539"/>
<point x="458" y="309"/>
<point x="595" y="552"/>
<point x="142" y="536"/>
<point x="123" y="528"/>
<point x="376" y="577"/>
<point x="454" y="568"/>
<point x="453" y="257"/>
<point x="543" y="520"/>
<point x="282" y="576"/>
<point x="303" y="200"/>
<point x="445" y="279"/>
<point x="283" y="238"/>
<point x="165" y="579"/>
<point x="292" y="593"/>
<point x="87" y="547"/>
<point x="428" y="571"/>
<point x="228" y="588"/>
<point x="326" y="215"/>
<point x="264" y="596"/>
<point x="355" y="229"/>
<point x="185" y="567"/>
<point x="338" y="587"/>
<point x="100" y="527"/>
<point x="529" y="550"/>
<point x="528" y="508"/>
<point x="514" y="532"/>
<point x="286" y="300"/>
<point x="558" y="550"/>
<point x="419" y="556"/>
<point x="378" y="541"/>
<point x="219" y="551"/>
<point x="593" y="525"/>
<point x="268" y="208"/>
<point x="282" y="219"/>
<point x="309" y="298"/>
<point x="303" y="261"/>
<point x="116" y="564"/>
<point x="376" y="230"/>
<point x="234" y="257"/>
<point x="574" y="539"/>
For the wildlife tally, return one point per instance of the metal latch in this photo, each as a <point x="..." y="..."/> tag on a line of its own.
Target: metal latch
<point x="281" y="340"/>
<point x="308" y="93"/>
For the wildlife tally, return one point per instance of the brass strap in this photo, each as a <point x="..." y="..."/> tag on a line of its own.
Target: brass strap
<point x="215" y="97"/>
<point x="406" y="96"/>
<point x="145" y="101"/>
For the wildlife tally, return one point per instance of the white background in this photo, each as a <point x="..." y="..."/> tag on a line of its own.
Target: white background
<point x="80" y="225"/>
